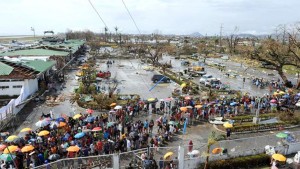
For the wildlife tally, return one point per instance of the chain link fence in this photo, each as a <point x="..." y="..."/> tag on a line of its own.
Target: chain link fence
<point x="132" y="158"/>
<point x="193" y="155"/>
<point x="99" y="162"/>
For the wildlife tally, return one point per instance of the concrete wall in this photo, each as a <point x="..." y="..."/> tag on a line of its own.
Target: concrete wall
<point x="11" y="91"/>
<point x="30" y="87"/>
<point x="292" y="148"/>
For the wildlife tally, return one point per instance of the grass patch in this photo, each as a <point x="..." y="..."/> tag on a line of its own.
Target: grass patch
<point x="291" y="69"/>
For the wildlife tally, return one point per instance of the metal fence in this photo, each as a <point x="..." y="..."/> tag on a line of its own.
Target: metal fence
<point x="131" y="158"/>
<point x="235" y="148"/>
<point x="99" y="162"/>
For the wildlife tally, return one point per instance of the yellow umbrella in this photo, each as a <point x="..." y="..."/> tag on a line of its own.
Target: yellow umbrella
<point x="11" y="138"/>
<point x="113" y="104"/>
<point x="168" y="154"/>
<point x="151" y="99"/>
<point x="183" y="85"/>
<point x="73" y="149"/>
<point x="43" y="133"/>
<point x="184" y="109"/>
<point x="227" y="125"/>
<point x="26" y="129"/>
<point x="27" y="148"/>
<point x="77" y="116"/>
<point x="279" y="157"/>
<point x="79" y="73"/>
<point x="198" y="106"/>
<point x="10" y="149"/>
<point x="62" y="124"/>
<point x="281" y="92"/>
<point x="217" y="150"/>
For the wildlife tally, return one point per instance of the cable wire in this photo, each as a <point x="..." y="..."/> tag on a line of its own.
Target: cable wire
<point x="131" y="17"/>
<point x="98" y="14"/>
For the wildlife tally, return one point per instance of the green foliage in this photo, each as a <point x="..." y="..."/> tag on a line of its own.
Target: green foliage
<point x="247" y="118"/>
<point x="289" y="118"/>
<point x="240" y="162"/>
<point x="81" y="89"/>
<point x="92" y="89"/>
<point x="256" y="127"/>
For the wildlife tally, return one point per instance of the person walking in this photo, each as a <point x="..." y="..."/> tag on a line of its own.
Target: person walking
<point x="190" y="146"/>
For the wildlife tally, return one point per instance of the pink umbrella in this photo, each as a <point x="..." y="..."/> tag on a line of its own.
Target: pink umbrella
<point x="187" y="98"/>
<point x="90" y="111"/>
<point x="168" y="99"/>
<point x="273" y="101"/>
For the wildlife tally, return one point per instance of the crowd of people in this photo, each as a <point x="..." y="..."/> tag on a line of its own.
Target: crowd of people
<point x="116" y="132"/>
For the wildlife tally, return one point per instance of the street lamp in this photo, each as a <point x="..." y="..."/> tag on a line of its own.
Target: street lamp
<point x="33" y="30"/>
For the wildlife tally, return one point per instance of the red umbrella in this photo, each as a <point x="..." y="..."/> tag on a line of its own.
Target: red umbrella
<point x="273" y="101"/>
<point x="2" y="147"/>
<point x="90" y="111"/>
<point x="97" y="129"/>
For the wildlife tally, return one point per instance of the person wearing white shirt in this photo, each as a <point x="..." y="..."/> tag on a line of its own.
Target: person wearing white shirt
<point x="92" y="147"/>
<point x="172" y="128"/>
<point x="128" y="145"/>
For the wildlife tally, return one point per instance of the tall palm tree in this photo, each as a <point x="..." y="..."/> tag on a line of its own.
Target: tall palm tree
<point x="116" y="29"/>
<point x="212" y="139"/>
<point x="116" y="37"/>
<point x="105" y="30"/>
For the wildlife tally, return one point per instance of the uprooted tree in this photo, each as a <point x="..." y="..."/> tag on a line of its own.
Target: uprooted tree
<point x="278" y="53"/>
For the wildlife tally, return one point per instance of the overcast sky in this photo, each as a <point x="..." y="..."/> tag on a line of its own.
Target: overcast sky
<point x="167" y="16"/>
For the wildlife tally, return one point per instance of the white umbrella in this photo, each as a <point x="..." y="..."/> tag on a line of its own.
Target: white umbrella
<point x="298" y="104"/>
<point x="194" y="152"/>
<point x="189" y="107"/>
<point x="54" y="123"/>
<point x="118" y="107"/>
<point x="42" y="123"/>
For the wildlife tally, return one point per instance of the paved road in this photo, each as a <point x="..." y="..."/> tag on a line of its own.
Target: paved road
<point x="235" y="83"/>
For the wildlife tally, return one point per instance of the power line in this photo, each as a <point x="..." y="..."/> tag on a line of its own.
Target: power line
<point x="98" y="14"/>
<point x="131" y="17"/>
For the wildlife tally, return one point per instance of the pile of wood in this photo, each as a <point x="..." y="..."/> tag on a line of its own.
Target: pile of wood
<point x="54" y="100"/>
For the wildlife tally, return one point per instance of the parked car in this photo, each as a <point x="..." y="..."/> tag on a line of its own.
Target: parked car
<point x="185" y="63"/>
<point x="201" y="73"/>
<point x="156" y="78"/>
<point x="218" y="120"/>
<point x="205" y="78"/>
<point x="186" y="76"/>
<point x="213" y="83"/>
<point x="198" y="68"/>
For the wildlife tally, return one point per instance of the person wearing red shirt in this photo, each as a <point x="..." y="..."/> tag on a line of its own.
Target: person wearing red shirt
<point x="99" y="147"/>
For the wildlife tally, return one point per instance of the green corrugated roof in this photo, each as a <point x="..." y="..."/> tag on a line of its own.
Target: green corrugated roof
<point x="72" y="45"/>
<point x="38" y="65"/>
<point x="5" y="69"/>
<point x="35" y="52"/>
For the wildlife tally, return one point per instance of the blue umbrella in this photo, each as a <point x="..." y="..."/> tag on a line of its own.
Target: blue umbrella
<point x="286" y="96"/>
<point x="79" y="135"/>
<point x="110" y="124"/>
<point x="60" y="119"/>
<point x="233" y="104"/>
<point x="90" y="119"/>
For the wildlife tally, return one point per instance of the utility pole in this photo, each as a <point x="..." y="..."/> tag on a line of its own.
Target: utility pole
<point x="221" y="30"/>
<point x="33" y="30"/>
